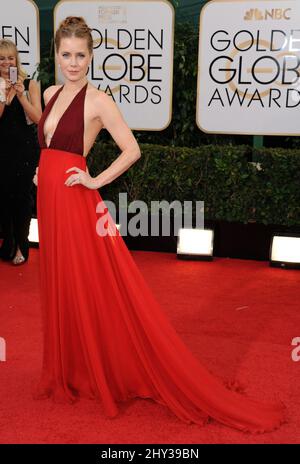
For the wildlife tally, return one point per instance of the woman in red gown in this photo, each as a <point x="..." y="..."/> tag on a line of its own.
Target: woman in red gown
<point x="105" y="335"/>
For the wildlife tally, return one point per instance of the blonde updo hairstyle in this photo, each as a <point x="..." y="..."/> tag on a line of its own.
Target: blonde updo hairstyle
<point x="74" y="26"/>
<point x="9" y="47"/>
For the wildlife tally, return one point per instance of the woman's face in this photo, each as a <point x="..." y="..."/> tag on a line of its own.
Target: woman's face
<point x="7" y="59"/>
<point x="74" y="58"/>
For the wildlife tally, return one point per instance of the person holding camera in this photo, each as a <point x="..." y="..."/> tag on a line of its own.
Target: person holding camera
<point x="20" y="111"/>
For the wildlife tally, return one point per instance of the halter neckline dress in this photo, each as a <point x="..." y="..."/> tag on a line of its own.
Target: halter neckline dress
<point x="105" y="335"/>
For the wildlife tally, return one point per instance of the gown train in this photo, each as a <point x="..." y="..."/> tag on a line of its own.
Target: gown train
<point x="105" y="335"/>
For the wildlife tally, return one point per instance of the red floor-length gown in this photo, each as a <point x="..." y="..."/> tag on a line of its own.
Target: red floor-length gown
<point x="105" y="335"/>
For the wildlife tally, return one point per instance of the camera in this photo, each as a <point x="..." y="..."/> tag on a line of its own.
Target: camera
<point x="13" y="74"/>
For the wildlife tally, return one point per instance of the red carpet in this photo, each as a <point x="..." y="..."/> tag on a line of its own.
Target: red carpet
<point x="239" y="317"/>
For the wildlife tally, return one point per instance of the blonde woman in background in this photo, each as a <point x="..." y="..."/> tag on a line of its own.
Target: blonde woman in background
<point x="20" y="110"/>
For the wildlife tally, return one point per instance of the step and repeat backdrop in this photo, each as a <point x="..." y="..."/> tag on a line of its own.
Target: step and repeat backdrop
<point x="248" y="76"/>
<point x="133" y="55"/>
<point x="19" y="22"/>
<point x="248" y="63"/>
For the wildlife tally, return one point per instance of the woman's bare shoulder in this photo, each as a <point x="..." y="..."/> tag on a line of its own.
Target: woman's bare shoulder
<point x="100" y="99"/>
<point x="94" y="92"/>
<point x="49" y="92"/>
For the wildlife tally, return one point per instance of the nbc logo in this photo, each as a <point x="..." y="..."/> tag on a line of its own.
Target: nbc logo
<point x="255" y="14"/>
<point x="2" y="349"/>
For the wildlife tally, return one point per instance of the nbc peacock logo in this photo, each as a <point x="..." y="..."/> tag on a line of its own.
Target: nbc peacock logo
<point x="255" y="14"/>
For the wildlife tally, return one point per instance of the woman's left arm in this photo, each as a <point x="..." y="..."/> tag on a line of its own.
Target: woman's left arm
<point x="33" y="108"/>
<point x="114" y="122"/>
<point x="111" y="117"/>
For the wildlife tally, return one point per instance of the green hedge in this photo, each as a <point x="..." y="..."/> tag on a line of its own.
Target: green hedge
<point x="232" y="188"/>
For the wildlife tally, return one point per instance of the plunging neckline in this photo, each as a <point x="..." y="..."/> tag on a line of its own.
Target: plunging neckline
<point x="55" y="97"/>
